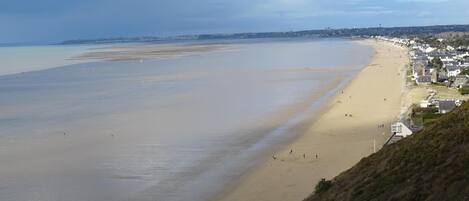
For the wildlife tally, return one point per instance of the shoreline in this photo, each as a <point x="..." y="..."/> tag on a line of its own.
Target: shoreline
<point x="338" y="141"/>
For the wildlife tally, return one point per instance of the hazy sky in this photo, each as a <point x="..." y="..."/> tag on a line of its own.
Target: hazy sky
<point x="56" y="20"/>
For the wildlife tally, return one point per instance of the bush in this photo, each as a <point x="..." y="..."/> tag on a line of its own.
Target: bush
<point x="464" y="90"/>
<point x="323" y="186"/>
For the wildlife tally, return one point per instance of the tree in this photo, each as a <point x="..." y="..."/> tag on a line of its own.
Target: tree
<point x="436" y="63"/>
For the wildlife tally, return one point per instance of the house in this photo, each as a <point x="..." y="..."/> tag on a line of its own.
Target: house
<point x="425" y="104"/>
<point x="429" y="49"/>
<point x="460" y="81"/>
<point x="447" y="58"/>
<point x="442" y="76"/>
<point x="465" y="63"/>
<point x="434" y="75"/>
<point x="418" y="69"/>
<point x="399" y="129"/>
<point x="445" y="106"/>
<point x="453" y="71"/>
<point x="424" y="80"/>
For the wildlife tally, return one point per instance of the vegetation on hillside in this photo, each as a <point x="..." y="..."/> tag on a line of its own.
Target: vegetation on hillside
<point x="424" y="116"/>
<point x="430" y="165"/>
<point x="464" y="90"/>
<point x="451" y="39"/>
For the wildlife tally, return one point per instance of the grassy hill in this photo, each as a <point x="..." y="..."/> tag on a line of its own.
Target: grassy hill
<point x="430" y="165"/>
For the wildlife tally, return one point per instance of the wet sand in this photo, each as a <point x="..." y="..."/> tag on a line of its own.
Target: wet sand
<point x="346" y="131"/>
<point x="148" y="51"/>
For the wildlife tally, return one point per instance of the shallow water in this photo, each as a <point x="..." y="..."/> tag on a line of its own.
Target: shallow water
<point x="167" y="129"/>
<point x="20" y="59"/>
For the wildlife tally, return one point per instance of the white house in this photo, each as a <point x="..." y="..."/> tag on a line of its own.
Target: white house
<point x="453" y="71"/>
<point x="447" y="59"/>
<point x="429" y="49"/>
<point x="425" y="104"/>
<point x="400" y="130"/>
<point x="463" y="55"/>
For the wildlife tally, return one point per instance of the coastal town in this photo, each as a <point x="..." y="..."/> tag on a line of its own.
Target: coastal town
<point x="437" y="80"/>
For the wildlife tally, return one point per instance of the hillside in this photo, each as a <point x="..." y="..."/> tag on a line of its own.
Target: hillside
<point x="430" y="165"/>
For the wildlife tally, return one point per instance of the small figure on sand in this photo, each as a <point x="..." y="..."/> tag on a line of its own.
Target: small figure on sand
<point x="316" y="156"/>
<point x="291" y="151"/>
<point x="304" y="155"/>
<point x="385" y="99"/>
<point x="274" y="157"/>
<point x="346" y="115"/>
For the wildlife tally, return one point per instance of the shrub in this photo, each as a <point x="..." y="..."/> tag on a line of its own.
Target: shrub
<point x="323" y="186"/>
<point x="464" y="90"/>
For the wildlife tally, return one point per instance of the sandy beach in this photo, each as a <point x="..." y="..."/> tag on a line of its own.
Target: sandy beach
<point x="345" y="131"/>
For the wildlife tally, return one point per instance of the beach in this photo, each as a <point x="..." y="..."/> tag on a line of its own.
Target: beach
<point x="346" y="130"/>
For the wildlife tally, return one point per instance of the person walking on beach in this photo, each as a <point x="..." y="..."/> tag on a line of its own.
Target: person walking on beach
<point x="291" y="151"/>
<point x="304" y="155"/>
<point x="316" y="156"/>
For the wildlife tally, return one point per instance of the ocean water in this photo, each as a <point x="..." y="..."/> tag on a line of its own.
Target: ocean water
<point x="166" y="129"/>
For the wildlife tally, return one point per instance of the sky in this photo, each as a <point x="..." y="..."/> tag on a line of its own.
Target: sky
<point x="58" y="20"/>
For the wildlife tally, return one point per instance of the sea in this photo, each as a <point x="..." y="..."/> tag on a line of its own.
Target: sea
<point x="164" y="129"/>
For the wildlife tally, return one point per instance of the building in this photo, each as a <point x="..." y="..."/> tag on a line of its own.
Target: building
<point x="399" y="129"/>
<point x="442" y="76"/>
<point x="460" y="81"/>
<point x="424" y="80"/>
<point x="445" y="106"/>
<point x="425" y="104"/>
<point x="453" y="71"/>
<point x="434" y="75"/>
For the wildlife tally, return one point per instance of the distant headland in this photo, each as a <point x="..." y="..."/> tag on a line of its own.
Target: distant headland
<point x="318" y="33"/>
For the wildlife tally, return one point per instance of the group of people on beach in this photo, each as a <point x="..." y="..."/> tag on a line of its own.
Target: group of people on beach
<point x="291" y="152"/>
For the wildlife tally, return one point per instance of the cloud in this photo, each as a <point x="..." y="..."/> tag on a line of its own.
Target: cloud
<point x="54" y="20"/>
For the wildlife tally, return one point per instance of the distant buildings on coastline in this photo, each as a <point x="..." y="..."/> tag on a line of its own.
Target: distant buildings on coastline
<point x="442" y="65"/>
<point x="448" y="66"/>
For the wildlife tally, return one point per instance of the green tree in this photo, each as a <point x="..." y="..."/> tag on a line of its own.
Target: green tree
<point x="436" y="63"/>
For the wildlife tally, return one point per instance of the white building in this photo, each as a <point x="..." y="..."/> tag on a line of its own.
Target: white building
<point x="400" y="130"/>
<point x="429" y="49"/>
<point x="453" y="71"/>
<point x="425" y="104"/>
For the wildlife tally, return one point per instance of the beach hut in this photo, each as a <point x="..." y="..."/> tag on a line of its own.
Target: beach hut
<point x="399" y="129"/>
